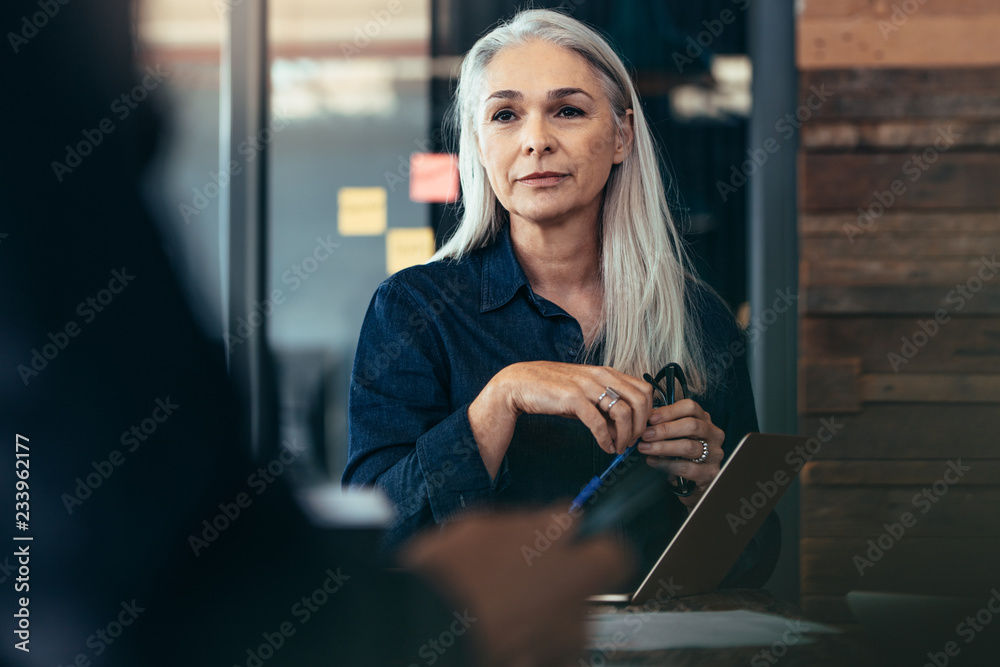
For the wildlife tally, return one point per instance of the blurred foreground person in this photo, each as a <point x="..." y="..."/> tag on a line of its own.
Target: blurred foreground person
<point x="124" y="412"/>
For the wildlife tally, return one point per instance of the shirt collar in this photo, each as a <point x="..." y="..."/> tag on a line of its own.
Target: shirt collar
<point x="502" y="275"/>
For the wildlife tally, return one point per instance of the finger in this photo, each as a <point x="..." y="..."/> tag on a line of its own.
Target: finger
<point x="595" y="420"/>
<point x="685" y="427"/>
<point x="621" y="414"/>
<point x="683" y="408"/>
<point x="639" y="394"/>
<point x="685" y="448"/>
<point x="700" y="473"/>
<point x="635" y="395"/>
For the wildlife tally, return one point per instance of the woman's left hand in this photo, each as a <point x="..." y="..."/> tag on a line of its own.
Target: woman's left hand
<point x="677" y="431"/>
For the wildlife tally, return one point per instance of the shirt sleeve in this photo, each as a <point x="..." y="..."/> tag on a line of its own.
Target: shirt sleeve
<point x="405" y="437"/>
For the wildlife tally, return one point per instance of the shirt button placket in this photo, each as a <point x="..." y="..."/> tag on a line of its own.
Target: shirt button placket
<point x="574" y="341"/>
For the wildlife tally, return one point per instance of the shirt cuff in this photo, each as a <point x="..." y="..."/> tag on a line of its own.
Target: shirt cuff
<point x="456" y="477"/>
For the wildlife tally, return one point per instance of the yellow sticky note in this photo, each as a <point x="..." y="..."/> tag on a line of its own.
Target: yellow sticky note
<point x="407" y="246"/>
<point x="361" y="211"/>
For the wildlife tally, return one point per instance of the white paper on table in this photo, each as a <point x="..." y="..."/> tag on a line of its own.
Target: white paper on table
<point x="695" y="629"/>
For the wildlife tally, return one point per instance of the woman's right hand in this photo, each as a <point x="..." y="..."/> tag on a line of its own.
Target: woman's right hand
<point x="565" y="390"/>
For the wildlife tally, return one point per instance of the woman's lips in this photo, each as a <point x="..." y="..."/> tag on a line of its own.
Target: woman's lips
<point x="543" y="178"/>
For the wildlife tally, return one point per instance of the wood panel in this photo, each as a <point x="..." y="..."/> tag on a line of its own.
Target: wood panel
<point x="849" y="511"/>
<point x="882" y="8"/>
<point x="961" y="344"/>
<point x="917" y="40"/>
<point x="929" y="565"/>
<point x="895" y="94"/>
<point x="892" y="300"/>
<point x="930" y="388"/>
<point x="829" y="386"/>
<point x="948" y="223"/>
<point x="982" y="272"/>
<point x="895" y="134"/>
<point x="899" y="222"/>
<point x="850" y="181"/>
<point x="838" y="386"/>
<point x="911" y="431"/>
<point x="874" y="473"/>
<point x="874" y="242"/>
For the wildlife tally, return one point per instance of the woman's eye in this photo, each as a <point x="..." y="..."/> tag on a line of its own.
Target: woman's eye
<point x="503" y="115"/>
<point x="570" y="112"/>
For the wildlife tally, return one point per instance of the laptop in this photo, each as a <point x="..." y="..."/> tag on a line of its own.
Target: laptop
<point x="720" y="526"/>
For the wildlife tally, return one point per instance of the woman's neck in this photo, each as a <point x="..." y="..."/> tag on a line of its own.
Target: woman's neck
<point x="560" y="260"/>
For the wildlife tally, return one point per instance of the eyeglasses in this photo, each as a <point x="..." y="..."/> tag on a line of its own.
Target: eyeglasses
<point x="673" y="374"/>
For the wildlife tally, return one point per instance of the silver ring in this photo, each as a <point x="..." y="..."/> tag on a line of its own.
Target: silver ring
<point x="611" y="393"/>
<point x="704" y="453"/>
<point x="611" y="405"/>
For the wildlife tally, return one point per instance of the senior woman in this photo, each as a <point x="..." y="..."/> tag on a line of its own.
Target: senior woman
<point x="506" y="371"/>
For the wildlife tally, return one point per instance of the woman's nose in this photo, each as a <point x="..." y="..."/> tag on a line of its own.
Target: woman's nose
<point x="537" y="136"/>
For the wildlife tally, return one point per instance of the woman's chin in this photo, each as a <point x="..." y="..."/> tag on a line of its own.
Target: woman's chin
<point x="546" y="217"/>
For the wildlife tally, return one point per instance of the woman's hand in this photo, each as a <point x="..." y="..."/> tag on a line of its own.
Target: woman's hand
<point x="677" y="431"/>
<point x="565" y="390"/>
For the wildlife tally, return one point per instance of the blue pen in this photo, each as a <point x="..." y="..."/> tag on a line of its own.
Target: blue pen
<point x="684" y="487"/>
<point x="588" y="491"/>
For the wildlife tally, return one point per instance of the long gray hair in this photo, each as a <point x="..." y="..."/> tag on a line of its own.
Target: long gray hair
<point x="645" y="321"/>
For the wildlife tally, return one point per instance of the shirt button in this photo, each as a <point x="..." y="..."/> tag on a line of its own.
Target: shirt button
<point x="572" y="352"/>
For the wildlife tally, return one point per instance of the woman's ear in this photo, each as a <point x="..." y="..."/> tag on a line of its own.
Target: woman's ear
<point x="625" y="137"/>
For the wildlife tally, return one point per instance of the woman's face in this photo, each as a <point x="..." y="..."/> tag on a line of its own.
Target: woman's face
<point x="547" y="136"/>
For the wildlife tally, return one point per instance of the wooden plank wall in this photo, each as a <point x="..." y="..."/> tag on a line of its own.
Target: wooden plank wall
<point x="899" y="222"/>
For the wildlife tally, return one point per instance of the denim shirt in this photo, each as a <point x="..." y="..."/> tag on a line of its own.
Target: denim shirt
<point x="433" y="337"/>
